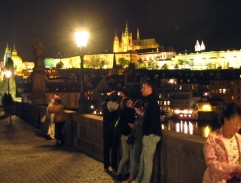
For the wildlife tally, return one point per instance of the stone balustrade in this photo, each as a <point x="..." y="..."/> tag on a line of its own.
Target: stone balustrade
<point x="178" y="158"/>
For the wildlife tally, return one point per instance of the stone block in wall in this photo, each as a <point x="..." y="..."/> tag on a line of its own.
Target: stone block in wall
<point x="182" y="158"/>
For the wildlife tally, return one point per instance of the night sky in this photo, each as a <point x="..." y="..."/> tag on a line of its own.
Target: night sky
<point x="175" y="23"/>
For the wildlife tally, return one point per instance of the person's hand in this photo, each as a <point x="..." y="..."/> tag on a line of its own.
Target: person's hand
<point x="122" y="94"/>
<point x="131" y="125"/>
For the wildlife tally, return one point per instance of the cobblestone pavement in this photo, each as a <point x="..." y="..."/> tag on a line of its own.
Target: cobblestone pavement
<point x="26" y="157"/>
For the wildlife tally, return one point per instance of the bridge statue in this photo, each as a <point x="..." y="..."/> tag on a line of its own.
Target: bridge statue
<point x="38" y="75"/>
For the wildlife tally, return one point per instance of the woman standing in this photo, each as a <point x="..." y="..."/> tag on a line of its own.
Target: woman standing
<point x="136" y="148"/>
<point x="222" y="149"/>
<point x="57" y="108"/>
<point x="127" y="117"/>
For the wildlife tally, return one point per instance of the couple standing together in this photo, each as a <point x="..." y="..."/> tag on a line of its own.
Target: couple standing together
<point x="151" y="130"/>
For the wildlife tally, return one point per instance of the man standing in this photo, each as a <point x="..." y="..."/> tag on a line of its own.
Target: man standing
<point x="152" y="132"/>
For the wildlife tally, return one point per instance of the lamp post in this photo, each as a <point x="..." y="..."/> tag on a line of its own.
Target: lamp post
<point x="81" y="38"/>
<point x="8" y="75"/>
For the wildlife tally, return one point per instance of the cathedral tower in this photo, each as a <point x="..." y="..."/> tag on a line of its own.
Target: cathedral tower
<point x="127" y="43"/>
<point x="116" y="44"/>
<point x="7" y="54"/>
<point x="126" y="40"/>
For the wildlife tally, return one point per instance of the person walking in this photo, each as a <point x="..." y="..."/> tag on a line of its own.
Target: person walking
<point x="127" y="117"/>
<point x="223" y="147"/>
<point x="57" y="108"/>
<point x="111" y="113"/>
<point x="151" y="132"/>
<point x="137" y="132"/>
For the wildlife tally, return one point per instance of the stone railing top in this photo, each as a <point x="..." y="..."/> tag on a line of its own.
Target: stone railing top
<point x="194" y="138"/>
<point x="69" y="112"/>
<point x="93" y="116"/>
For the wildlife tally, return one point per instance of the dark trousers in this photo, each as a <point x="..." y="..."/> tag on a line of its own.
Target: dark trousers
<point x="111" y="144"/>
<point x="59" y="131"/>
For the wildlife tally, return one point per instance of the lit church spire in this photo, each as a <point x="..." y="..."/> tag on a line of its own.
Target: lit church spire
<point x="116" y="43"/>
<point x="126" y="28"/>
<point x="7" y="54"/>
<point x="202" y="47"/>
<point x="197" y="46"/>
<point x="138" y="34"/>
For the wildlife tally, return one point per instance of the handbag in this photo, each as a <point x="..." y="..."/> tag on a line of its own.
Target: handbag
<point x="43" y="119"/>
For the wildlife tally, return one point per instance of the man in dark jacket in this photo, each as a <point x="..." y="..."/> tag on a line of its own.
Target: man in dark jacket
<point x="152" y="132"/>
<point x="111" y="113"/>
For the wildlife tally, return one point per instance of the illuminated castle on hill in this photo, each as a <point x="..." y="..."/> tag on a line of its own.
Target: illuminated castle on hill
<point x="123" y="53"/>
<point x="127" y="42"/>
<point x="18" y="64"/>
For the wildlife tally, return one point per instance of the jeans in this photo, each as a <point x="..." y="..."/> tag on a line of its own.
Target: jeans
<point x="111" y="144"/>
<point x="125" y="154"/>
<point x="135" y="155"/>
<point x="147" y="155"/>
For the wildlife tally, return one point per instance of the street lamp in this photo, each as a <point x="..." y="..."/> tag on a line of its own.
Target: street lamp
<point x="81" y="38"/>
<point x="8" y="75"/>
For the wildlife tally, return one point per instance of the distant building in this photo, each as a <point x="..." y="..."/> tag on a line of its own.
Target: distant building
<point x="18" y="63"/>
<point x="127" y="43"/>
<point x="199" y="47"/>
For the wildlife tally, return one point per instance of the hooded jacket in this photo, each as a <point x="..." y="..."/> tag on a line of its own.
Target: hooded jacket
<point x="111" y="112"/>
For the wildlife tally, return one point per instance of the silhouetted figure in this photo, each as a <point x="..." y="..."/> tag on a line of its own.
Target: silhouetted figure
<point x="111" y="113"/>
<point x="8" y="105"/>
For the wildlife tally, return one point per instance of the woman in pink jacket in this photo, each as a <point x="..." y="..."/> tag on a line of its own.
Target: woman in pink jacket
<point x="222" y="149"/>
